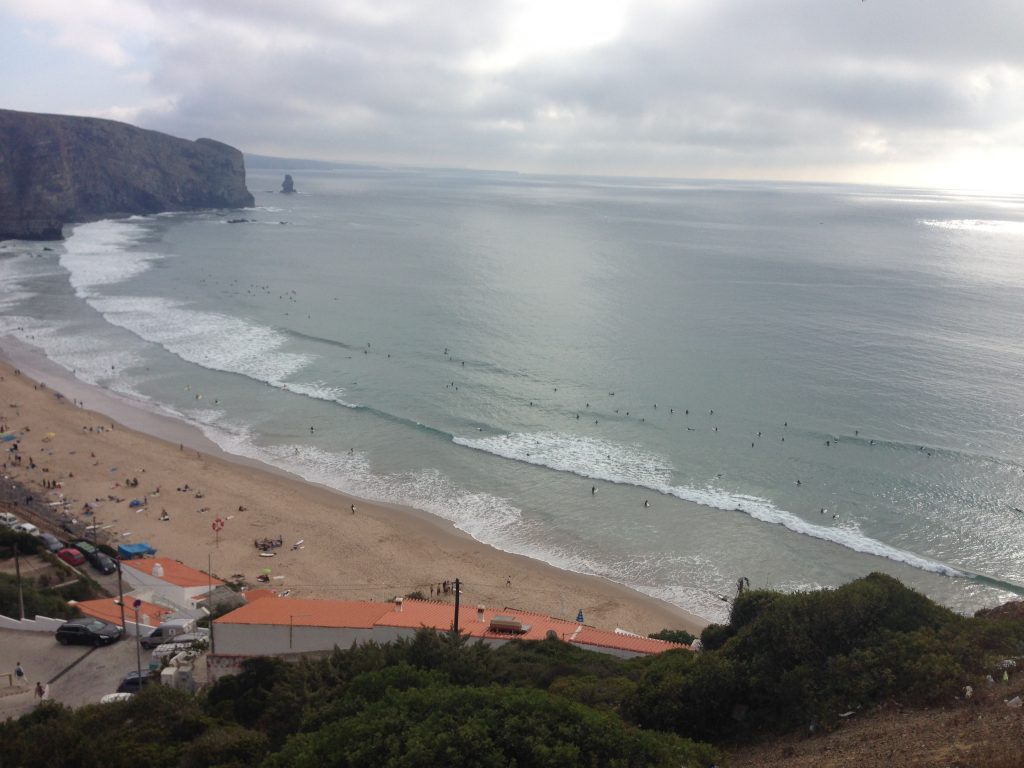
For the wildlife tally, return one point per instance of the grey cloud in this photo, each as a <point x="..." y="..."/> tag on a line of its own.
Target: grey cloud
<point x="791" y="82"/>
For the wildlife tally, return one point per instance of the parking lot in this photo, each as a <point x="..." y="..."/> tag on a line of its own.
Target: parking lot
<point x="76" y="674"/>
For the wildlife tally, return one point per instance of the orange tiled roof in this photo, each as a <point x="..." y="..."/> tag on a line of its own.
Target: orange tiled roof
<point x="108" y="610"/>
<point x="252" y="595"/>
<point x="606" y="639"/>
<point x="308" y="613"/>
<point x="175" y="572"/>
<point x="436" y="615"/>
<point x="428" y="613"/>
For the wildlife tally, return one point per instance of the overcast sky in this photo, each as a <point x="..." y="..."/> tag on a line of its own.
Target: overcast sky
<point x="915" y="92"/>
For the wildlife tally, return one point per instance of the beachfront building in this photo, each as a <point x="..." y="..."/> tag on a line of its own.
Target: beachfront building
<point x="291" y="627"/>
<point x="168" y="582"/>
<point x="109" y="610"/>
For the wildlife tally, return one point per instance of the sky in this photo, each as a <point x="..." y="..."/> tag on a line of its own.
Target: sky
<point x="898" y="92"/>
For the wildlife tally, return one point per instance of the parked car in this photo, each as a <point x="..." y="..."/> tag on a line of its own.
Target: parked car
<point x="193" y="641"/>
<point x="71" y="556"/>
<point x="99" y="560"/>
<point x="132" y="683"/>
<point x="85" y="547"/>
<point x="88" y="631"/>
<point x="6" y="518"/>
<point x="111" y="698"/>
<point x="52" y="542"/>
<point x="102" y="563"/>
<point x="169" y="629"/>
<point x="28" y="528"/>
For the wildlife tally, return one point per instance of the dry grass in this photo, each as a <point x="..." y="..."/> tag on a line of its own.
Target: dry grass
<point x="978" y="733"/>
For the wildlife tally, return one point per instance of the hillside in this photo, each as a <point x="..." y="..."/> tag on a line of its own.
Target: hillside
<point x="982" y="732"/>
<point x="58" y="169"/>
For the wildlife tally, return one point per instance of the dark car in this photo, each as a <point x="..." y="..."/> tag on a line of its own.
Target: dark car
<point x="88" y="631"/>
<point x="71" y="556"/>
<point x="99" y="560"/>
<point x="102" y="562"/>
<point x="132" y="683"/>
<point x="52" y="542"/>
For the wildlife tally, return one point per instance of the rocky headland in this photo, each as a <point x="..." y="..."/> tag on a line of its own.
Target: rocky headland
<point x="60" y="169"/>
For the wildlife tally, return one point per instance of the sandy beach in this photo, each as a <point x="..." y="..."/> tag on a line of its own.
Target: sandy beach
<point x="93" y="444"/>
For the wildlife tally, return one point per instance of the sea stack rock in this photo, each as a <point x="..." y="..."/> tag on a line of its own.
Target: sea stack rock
<point x="287" y="186"/>
<point x="58" y="169"/>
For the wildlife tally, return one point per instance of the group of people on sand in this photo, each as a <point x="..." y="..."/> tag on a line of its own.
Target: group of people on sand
<point x="443" y="588"/>
<point x="265" y="545"/>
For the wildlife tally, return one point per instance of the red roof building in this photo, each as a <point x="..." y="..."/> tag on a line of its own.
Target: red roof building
<point x="283" y="626"/>
<point x="169" y="581"/>
<point x="107" y="609"/>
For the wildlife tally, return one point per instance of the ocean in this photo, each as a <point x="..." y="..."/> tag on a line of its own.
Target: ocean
<point x="670" y="384"/>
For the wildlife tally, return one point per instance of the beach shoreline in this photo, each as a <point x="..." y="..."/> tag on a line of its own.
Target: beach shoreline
<point x="101" y="439"/>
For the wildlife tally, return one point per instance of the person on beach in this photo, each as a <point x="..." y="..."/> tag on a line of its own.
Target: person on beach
<point x="40" y="691"/>
<point x="19" y="674"/>
<point x="353" y="509"/>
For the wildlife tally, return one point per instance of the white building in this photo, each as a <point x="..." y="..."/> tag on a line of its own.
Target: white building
<point x="168" y="582"/>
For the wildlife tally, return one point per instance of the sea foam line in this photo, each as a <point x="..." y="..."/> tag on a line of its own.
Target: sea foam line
<point x="599" y="459"/>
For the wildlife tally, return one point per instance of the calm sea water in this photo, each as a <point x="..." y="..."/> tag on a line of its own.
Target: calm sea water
<point x="663" y="383"/>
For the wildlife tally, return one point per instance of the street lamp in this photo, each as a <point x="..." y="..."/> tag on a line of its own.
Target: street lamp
<point x="138" y="646"/>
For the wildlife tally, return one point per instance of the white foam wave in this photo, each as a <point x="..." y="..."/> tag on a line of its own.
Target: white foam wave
<point x="210" y="339"/>
<point x="320" y="390"/>
<point x="631" y="465"/>
<point x="13" y="274"/>
<point x="587" y="456"/>
<point x="98" y="360"/>
<point x="97" y="254"/>
<point x="995" y="226"/>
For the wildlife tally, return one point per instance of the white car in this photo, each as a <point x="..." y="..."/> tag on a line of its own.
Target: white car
<point x="26" y="528"/>
<point x="6" y="518"/>
<point x="193" y="641"/>
<point x="110" y="698"/>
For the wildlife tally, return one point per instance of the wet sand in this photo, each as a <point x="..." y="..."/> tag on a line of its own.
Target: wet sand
<point x="92" y="442"/>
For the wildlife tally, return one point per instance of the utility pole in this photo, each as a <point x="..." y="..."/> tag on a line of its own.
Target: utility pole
<point x="17" y="573"/>
<point x="209" y="601"/>
<point x="120" y="594"/>
<point x="457" y="591"/>
<point x="138" y="653"/>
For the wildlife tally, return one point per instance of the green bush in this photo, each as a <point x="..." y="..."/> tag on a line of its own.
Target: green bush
<point x="786" y="661"/>
<point x="25" y="543"/>
<point x="458" y="726"/>
<point x="36" y="601"/>
<point x="674" y="636"/>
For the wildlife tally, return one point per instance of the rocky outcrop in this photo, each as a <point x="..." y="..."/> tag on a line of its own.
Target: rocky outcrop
<point x="57" y="169"/>
<point x="287" y="186"/>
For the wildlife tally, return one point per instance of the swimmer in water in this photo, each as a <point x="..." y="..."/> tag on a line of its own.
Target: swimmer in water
<point x="647" y="503"/>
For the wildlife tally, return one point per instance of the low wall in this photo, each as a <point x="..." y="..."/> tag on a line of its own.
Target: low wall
<point x="38" y="624"/>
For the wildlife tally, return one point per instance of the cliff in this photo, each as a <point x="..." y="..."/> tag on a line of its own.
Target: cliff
<point x="57" y="169"/>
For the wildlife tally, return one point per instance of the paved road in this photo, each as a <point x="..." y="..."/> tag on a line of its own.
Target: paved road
<point x="77" y="674"/>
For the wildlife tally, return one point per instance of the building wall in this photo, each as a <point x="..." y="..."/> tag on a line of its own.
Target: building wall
<point x="267" y="640"/>
<point x="162" y="591"/>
